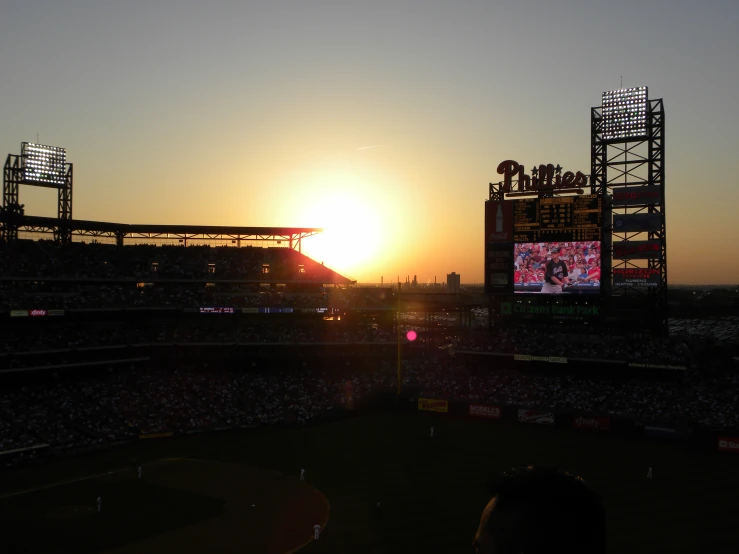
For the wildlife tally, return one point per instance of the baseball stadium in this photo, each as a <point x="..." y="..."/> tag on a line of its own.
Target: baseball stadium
<point x="184" y="388"/>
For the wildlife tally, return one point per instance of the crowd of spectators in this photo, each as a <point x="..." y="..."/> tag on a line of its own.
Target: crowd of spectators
<point x="66" y="411"/>
<point x="75" y="409"/>
<point x="692" y="400"/>
<point x="21" y="341"/>
<point x="98" y="406"/>
<point x="29" y="295"/>
<point x="596" y="344"/>
<point x="81" y="261"/>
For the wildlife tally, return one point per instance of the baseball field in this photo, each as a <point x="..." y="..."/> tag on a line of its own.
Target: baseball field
<point x="241" y="490"/>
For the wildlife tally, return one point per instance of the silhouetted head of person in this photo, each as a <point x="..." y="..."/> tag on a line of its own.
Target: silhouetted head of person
<point x="536" y="510"/>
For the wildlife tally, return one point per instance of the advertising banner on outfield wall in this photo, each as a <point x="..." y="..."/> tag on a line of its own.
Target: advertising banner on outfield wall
<point x="485" y="411"/>
<point x="727" y="444"/>
<point x="534" y="416"/>
<point x="589" y="422"/>
<point x="156" y="435"/>
<point x="636" y="277"/>
<point x="661" y="432"/>
<point x="637" y="196"/>
<point x="530" y="358"/>
<point x="431" y="405"/>
<point x="658" y="366"/>
<point x="636" y="223"/>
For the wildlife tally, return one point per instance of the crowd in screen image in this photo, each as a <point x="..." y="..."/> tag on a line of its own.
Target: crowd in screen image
<point x="552" y="267"/>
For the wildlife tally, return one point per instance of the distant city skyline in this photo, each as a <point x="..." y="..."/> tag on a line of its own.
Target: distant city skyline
<point x="382" y="123"/>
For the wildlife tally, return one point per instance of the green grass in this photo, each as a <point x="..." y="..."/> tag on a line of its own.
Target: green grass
<point x="432" y="489"/>
<point x="65" y="518"/>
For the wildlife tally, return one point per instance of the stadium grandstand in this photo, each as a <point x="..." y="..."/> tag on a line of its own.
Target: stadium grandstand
<point x="115" y="333"/>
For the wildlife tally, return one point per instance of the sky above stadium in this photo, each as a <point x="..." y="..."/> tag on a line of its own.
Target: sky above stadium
<point x="381" y="122"/>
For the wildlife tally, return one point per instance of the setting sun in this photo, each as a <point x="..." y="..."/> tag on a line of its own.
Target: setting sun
<point x="348" y="199"/>
<point x="353" y="232"/>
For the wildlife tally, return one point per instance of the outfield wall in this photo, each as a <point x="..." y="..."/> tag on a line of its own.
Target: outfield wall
<point x="707" y="440"/>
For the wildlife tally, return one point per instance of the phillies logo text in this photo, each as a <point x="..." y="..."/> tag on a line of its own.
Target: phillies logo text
<point x="542" y="179"/>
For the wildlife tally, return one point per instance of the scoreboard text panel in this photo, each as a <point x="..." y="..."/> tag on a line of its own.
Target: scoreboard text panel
<point x="571" y="218"/>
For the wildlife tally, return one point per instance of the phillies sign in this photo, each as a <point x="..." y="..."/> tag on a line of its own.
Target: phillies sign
<point x="545" y="178"/>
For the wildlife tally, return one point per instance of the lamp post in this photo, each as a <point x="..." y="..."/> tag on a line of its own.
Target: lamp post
<point x="397" y="326"/>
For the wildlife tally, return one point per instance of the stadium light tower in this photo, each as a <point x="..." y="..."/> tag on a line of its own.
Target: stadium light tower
<point x="38" y="165"/>
<point x="628" y="172"/>
<point x="624" y="114"/>
<point x="43" y="165"/>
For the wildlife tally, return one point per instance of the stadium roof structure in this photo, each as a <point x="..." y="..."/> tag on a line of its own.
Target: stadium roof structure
<point x="123" y="231"/>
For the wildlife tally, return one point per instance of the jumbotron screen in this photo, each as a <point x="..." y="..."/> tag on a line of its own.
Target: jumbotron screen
<point x="557" y="267"/>
<point x="544" y="245"/>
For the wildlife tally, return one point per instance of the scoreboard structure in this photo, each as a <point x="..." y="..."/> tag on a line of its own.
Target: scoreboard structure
<point x="558" y="219"/>
<point x="522" y="234"/>
<point x="556" y="245"/>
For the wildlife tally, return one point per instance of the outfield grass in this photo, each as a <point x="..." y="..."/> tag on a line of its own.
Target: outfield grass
<point x="432" y="489"/>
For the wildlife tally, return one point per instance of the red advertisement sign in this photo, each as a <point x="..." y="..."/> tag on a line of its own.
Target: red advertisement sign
<point x="36" y="313"/>
<point x="728" y="444"/>
<point x="535" y="416"/>
<point x="602" y="423"/>
<point x="485" y="411"/>
<point x="636" y="277"/>
<point x="637" y="196"/>
<point x="637" y="249"/>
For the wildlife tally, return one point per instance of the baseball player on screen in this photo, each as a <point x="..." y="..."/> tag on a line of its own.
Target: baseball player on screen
<point x="555" y="274"/>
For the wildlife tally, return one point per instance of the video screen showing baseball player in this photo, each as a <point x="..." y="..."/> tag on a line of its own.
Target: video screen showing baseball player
<point x="557" y="267"/>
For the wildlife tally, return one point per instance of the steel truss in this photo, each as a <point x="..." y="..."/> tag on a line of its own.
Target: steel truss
<point x="13" y="178"/>
<point x="122" y="233"/>
<point x="631" y="163"/>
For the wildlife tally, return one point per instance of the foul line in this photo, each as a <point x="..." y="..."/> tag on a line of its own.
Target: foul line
<point x="77" y="479"/>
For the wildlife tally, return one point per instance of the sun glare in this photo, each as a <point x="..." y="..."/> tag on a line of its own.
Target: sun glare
<point x="352" y="233"/>
<point x="356" y="204"/>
